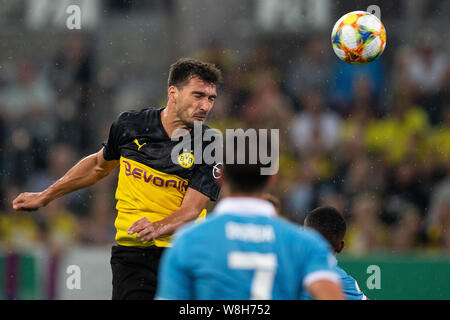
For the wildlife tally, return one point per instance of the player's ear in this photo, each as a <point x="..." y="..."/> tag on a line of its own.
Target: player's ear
<point x="340" y="247"/>
<point x="172" y="93"/>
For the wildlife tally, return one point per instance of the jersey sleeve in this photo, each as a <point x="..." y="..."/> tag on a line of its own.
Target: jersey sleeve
<point x="111" y="146"/>
<point x="174" y="280"/>
<point x="351" y="288"/>
<point x="203" y="180"/>
<point x="320" y="263"/>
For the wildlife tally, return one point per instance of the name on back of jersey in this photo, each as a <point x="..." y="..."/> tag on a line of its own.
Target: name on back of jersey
<point x="249" y="232"/>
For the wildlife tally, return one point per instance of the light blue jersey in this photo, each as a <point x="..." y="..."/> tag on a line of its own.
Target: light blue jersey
<point x="350" y="287"/>
<point x="243" y="251"/>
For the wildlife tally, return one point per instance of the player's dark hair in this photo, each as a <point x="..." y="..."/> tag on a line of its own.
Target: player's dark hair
<point x="244" y="177"/>
<point x="329" y="223"/>
<point x="181" y="71"/>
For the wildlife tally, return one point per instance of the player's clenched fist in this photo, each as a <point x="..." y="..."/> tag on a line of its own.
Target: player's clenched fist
<point x="28" y="201"/>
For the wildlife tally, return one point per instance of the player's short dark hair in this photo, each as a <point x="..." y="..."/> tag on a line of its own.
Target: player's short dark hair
<point x="245" y="177"/>
<point x="329" y="222"/>
<point x="181" y="71"/>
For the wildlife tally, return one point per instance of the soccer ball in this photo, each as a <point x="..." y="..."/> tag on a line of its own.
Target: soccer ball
<point x="358" y="38"/>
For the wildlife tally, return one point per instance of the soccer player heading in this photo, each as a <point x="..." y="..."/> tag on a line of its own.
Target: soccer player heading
<point x="331" y="225"/>
<point x="244" y="251"/>
<point x="155" y="195"/>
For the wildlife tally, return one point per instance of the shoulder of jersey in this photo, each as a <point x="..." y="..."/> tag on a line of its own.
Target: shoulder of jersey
<point x="138" y="118"/>
<point x="294" y="228"/>
<point x="343" y="274"/>
<point x="131" y="115"/>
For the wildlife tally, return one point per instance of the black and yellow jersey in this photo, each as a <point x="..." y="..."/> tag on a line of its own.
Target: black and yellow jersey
<point x="150" y="185"/>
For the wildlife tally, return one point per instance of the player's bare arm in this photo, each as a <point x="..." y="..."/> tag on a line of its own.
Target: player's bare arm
<point x="193" y="203"/>
<point x="325" y="290"/>
<point x="86" y="172"/>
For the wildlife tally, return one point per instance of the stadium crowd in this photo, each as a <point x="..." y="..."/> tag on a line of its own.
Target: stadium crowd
<point x="372" y="141"/>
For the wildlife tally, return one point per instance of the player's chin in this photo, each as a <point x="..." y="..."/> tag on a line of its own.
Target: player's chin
<point x="191" y="123"/>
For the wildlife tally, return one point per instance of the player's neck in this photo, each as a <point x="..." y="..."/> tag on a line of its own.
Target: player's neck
<point x="171" y="122"/>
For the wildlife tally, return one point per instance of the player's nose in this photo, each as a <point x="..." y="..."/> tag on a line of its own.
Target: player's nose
<point x="206" y="105"/>
<point x="202" y="109"/>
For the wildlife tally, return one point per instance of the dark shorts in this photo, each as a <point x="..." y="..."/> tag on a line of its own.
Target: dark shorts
<point x="134" y="272"/>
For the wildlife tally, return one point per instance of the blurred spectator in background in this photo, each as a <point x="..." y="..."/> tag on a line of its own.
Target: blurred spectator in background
<point x="213" y="52"/>
<point x="330" y="197"/>
<point x="443" y="97"/>
<point x="266" y="106"/>
<point x="310" y="178"/>
<point x="60" y="159"/>
<point x="399" y="134"/>
<point x="27" y="104"/>
<point x="364" y="97"/>
<point x="309" y="71"/>
<point x="301" y="196"/>
<point x="2" y="158"/>
<point x="439" y="140"/>
<point x="29" y="101"/>
<point x="405" y="233"/>
<point x="427" y="71"/>
<point x="347" y="80"/>
<point x="400" y="80"/>
<point x="231" y="99"/>
<point x="352" y="143"/>
<point x="71" y="74"/>
<point x="316" y="128"/>
<point x="365" y="232"/>
<point x="59" y="226"/>
<point x="235" y="93"/>
<point x="98" y="227"/>
<point x="361" y="175"/>
<point x="259" y="61"/>
<point x="437" y="223"/>
<point x="405" y="184"/>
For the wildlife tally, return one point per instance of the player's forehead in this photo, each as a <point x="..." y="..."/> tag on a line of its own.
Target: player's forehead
<point x="196" y="84"/>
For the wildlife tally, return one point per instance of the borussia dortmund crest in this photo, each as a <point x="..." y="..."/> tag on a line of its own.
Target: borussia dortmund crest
<point x="186" y="159"/>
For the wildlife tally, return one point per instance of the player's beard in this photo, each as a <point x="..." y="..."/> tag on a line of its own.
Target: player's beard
<point x="183" y="115"/>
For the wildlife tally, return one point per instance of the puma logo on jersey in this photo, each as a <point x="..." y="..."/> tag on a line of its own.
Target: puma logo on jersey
<point x="139" y="145"/>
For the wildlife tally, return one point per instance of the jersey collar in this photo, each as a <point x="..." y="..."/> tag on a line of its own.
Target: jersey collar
<point x="245" y="206"/>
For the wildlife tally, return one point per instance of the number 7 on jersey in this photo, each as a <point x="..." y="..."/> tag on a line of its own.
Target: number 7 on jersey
<point x="264" y="265"/>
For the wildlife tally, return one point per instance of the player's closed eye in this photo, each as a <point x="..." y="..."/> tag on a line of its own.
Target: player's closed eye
<point x="198" y="94"/>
